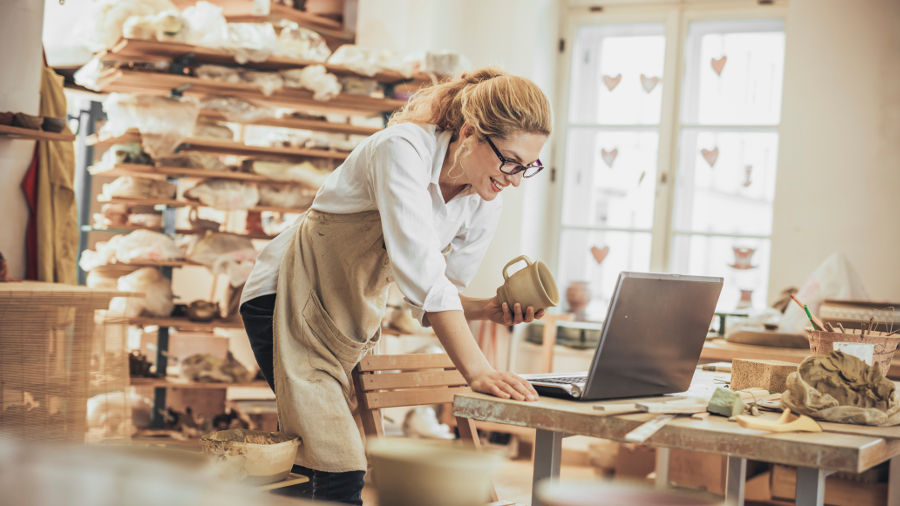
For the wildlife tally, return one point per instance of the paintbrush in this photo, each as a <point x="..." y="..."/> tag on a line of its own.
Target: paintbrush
<point x="817" y="323"/>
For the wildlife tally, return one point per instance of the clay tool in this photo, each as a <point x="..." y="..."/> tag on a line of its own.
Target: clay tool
<point x="785" y="423"/>
<point x="647" y="429"/>
<point x="817" y="323"/>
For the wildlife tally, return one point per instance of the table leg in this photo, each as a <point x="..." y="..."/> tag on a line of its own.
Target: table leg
<point x="894" y="481"/>
<point x="662" y="467"/>
<point x="810" y="486"/>
<point x="547" y="453"/>
<point x="735" y="479"/>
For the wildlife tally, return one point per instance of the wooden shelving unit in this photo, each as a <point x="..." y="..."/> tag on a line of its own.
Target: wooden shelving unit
<point x="226" y="147"/>
<point x="128" y="80"/>
<point x="8" y="131"/>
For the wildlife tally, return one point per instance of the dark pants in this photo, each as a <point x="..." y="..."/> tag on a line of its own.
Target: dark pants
<point x="337" y="487"/>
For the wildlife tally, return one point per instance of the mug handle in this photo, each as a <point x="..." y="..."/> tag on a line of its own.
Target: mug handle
<point x="514" y="260"/>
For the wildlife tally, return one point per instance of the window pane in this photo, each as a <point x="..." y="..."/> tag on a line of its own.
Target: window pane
<point x="734" y="72"/>
<point x="608" y="63"/>
<point x="580" y="251"/>
<point x="610" y="178"/>
<point x="725" y="182"/>
<point x="743" y="262"/>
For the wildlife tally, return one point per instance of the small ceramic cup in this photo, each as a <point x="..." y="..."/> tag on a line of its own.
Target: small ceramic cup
<point x="532" y="285"/>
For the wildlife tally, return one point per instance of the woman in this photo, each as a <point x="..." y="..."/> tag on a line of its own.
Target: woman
<point x="416" y="203"/>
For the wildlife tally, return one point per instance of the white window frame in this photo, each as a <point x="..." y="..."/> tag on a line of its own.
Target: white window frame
<point x="676" y="18"/>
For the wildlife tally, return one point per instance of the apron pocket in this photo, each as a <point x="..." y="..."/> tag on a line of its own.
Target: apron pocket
<point x="348" y="352"/>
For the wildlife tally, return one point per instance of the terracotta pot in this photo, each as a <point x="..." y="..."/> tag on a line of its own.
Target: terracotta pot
<point x="578" y="296"/>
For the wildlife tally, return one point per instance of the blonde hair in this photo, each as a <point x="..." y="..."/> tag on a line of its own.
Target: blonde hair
<point x="494" y="102"/>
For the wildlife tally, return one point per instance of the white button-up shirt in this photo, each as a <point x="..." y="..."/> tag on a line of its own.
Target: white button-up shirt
<point x="435" y="247"/>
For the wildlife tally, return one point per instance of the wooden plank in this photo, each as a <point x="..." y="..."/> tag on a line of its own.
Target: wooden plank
<point x="291" y="479"/>
<point x="179" y="322"/>
<point x="191" y="203"/>
<point x="299" y="123"/>
<point x="178" y="383"/>
<point x="416" y="379"/>
<point x="131" y="81"/>
<point x="138" y="50"/>
<point x="31" y="134"/>
<point x="120" y="229"/>
<point x="405" y="362"/>
<point x="163" y="172"/>
<point x="226" y="147"/>
<point x="415" y="397"/>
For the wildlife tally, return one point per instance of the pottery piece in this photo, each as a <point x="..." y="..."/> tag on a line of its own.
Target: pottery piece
<point x="202" y="310"/>
<point x="252" y="456"/>
<point x="55" y="125"/>
<point x="413" y="472"/>
<point x="20" y="119"/>
<point x="578" y="295"/>
<point x="533" y="285"/>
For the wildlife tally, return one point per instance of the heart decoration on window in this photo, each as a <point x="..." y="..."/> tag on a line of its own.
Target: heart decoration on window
<point x="648" y="83"/>
<point x="710" y="155"/>
<point x="599" y="254"/>
<point x="748" y="176"/>
<point x="609" y="157"/>
<point x="718" y="64"/>
<point x="611" y="82"/>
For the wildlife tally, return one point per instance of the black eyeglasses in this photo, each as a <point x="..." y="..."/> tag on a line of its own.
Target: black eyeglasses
<point x="512" y="167"/>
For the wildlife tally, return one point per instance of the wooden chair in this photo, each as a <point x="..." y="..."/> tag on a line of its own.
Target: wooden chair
<point x="388" y="381"/>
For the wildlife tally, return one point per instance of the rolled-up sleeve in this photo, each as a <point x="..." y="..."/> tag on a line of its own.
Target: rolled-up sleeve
<point x="399" y="180"/>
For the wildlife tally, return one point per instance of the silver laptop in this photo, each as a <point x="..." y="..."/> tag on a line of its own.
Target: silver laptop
<point x="651" y="340"/>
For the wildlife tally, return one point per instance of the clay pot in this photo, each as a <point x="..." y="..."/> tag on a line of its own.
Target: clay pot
<point x="578" y="296"/>
<point x="20" y="119"/>
<point x="202" y="311"/>
<point x="533" y="285"/>
<point x="53" y="124"/>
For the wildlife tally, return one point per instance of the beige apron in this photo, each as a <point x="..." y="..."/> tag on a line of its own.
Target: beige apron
<point x="332" y="291"/>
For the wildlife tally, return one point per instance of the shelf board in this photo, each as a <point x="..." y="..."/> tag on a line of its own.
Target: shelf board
<point x="129" y="50"/>
<point x="30" y="134"/>
<point x="177" y="322"/>
<point x="225" y="147"/>
<point x="163" y="172"/>
<point x="124" y="229"/>
<point x="299" y="123"/>
<point x="243" y="11"/>
<point x="190" y="203"/>
<point x="178" y="383"/>
<point x="155" y="83"/>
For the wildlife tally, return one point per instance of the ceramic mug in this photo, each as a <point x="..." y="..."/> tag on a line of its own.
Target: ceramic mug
<point x="532" y="285"/>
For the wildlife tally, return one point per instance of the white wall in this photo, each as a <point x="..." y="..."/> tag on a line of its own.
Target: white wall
<point x="20" y="80"/>
<point x="518" y="36"/>
<point x="838" y="186"/>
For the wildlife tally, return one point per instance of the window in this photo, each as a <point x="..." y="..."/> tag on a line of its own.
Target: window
<point x="679" y="179"/>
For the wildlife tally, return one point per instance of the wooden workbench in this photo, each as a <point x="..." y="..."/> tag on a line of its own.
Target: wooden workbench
<point x="815" y="454"/>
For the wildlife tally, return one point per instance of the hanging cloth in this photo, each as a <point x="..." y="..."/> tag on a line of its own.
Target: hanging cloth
<point x="57" y="211"/>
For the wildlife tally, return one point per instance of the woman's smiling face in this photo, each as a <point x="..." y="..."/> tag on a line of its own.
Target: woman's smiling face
<point x="480" y="165"/>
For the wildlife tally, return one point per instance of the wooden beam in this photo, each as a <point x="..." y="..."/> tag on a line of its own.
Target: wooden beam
<point x="412" y="379"/>
<point x="407" y="362"/>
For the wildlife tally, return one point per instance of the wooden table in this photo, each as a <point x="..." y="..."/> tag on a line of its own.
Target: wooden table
<point x="814" y="454"/>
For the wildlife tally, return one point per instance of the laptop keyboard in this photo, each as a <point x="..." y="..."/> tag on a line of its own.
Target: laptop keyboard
<point x="563" y="380"/>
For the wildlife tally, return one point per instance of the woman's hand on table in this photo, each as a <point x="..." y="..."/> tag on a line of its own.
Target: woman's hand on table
<point x="505" y="385"/>
<point x="504" y="315"/>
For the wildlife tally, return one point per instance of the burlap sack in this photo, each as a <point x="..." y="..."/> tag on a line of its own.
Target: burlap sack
<point x="842" y="388"/>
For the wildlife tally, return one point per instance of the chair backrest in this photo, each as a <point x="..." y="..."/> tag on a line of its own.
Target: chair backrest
<point x="387" y="381"/>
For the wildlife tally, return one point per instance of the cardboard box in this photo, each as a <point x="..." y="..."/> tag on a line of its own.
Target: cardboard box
<point x="698" y="470"/>
<point x="838" y="491"/>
